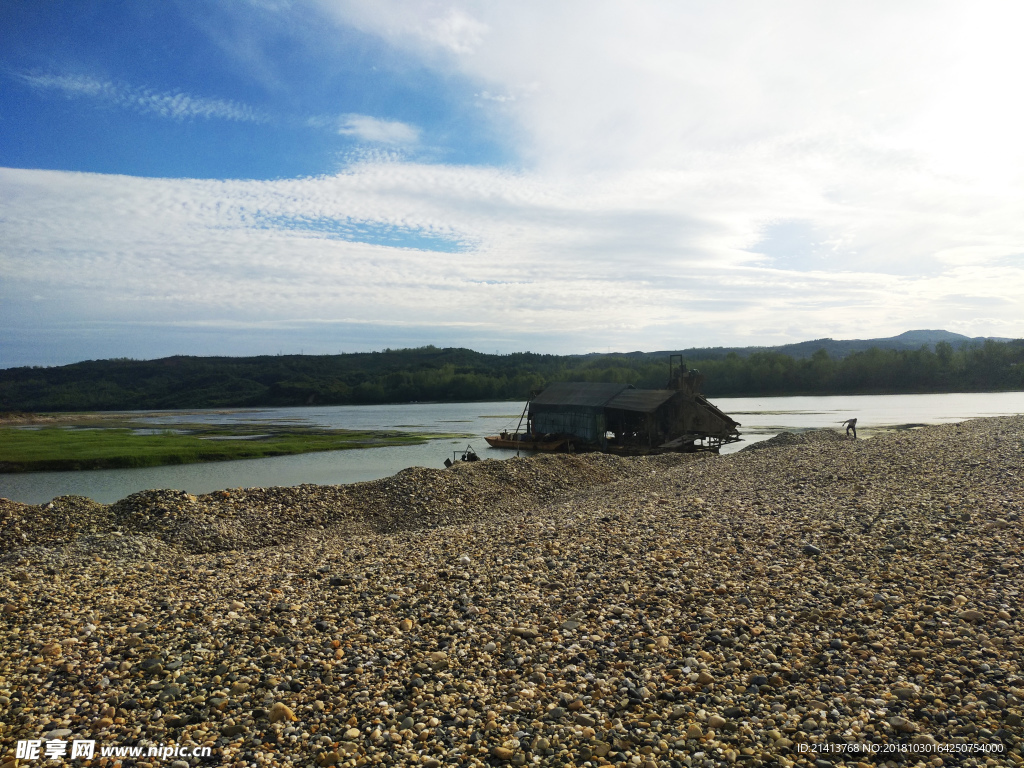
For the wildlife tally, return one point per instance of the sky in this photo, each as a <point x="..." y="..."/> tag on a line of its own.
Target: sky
<point x="242" y="177"/>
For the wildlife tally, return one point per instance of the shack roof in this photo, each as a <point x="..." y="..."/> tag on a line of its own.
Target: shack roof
<point x="640" y="400"/>
<point x="585" y="394"/>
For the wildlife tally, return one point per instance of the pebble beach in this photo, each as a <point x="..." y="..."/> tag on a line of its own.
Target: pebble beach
<point x="813" y="601"/>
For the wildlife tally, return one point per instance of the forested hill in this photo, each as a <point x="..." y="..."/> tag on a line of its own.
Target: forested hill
<point x="432" y="374"/>
<point x="909" y="340"/>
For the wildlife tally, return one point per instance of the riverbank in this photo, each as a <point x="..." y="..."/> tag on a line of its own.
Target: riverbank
<point x="558" y="610"/>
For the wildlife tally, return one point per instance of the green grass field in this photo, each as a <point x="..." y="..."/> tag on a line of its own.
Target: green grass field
<point x="62" y="448"/>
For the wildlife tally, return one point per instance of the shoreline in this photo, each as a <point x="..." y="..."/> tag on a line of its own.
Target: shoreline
<point x="688" y="610"/>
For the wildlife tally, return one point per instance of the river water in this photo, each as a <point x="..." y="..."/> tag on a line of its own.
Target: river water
<point x="761" y="417"/>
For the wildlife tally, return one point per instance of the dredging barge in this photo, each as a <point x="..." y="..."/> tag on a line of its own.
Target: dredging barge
<point x="574" y="416"/>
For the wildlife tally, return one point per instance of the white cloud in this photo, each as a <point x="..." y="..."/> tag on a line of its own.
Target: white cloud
<point x="661" y="143"/>
<point x="457" y="31"/>
<point x="376" y="131"/>
<point x="579" y="261"/>
<point x="174" y="105"/>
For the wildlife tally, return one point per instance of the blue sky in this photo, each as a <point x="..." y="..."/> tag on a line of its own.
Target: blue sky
<point x="264" y="176"/>
<point x="216" y="90"/>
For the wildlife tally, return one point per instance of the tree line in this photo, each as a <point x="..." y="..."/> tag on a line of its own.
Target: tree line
<point x="434" y="374"/>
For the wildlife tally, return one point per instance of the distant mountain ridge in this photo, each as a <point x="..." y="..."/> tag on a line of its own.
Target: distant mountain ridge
<point x="839" y="348"/>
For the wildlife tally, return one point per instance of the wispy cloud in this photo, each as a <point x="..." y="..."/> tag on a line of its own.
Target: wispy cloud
<point x="175" y="105"/>
<point x="377" y="131"/>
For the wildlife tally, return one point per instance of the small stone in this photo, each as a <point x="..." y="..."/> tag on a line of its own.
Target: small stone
<point x="405" y="625"/>
<point x="281" y="712"/>
<point x="694" y="731"/>
<point x="716" y="722"/>
<point x="502" y="753"/>
<point x="971" y="615"/>
<point x="810" y="549"/>
<point x="352" y="734"/>
<point x="902" y="725"/>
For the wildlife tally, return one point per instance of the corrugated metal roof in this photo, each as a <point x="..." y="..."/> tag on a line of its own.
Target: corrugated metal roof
<point x="578" y="393"/>
<point x="640" y="400"/>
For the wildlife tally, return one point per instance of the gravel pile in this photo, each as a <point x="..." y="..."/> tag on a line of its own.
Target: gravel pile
<point x="763" y="608"/>
<point x="811" y="437"/>
<point x="243" y="518"/>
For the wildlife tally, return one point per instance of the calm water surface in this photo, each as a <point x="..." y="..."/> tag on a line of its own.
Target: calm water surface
<point x="761" y="417"/>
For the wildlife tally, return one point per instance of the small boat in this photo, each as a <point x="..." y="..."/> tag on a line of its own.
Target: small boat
<point x="530" y="441"/>
<point x="524" y="442"/>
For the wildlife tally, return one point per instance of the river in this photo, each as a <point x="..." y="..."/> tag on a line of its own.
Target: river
<point x="761" y="417"/>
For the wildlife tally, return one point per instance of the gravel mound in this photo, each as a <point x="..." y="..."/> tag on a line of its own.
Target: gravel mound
<point x="244" y="518"/>
<point x="811" y="437"/>
<point x="858" y="604"/>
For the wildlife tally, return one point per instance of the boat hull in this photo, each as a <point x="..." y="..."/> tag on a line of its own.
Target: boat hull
<point x="549" y="446"/>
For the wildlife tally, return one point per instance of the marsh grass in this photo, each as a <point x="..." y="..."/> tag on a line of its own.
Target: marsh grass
<point x="64" y="448"/>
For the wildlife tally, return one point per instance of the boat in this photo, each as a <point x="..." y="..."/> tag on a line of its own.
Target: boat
<point x="574" y="417"/>
<point x="518" y="441"/>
